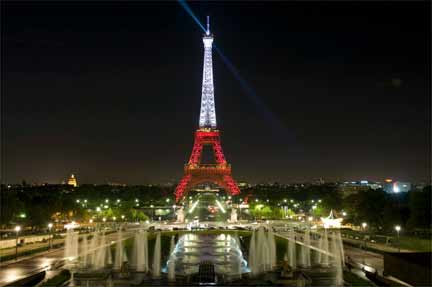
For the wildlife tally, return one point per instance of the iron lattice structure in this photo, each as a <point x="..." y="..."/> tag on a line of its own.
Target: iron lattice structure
<point x="194" y="171"/>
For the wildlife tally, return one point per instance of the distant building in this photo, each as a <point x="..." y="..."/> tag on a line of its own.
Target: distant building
<point x="351" y="187"/>
<point x="396" y="186"/>
<point x="72" y="181"/>
<point x="243" y="184"/>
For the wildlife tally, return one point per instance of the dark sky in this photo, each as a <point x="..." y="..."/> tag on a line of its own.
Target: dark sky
<point x="111" y="91"/>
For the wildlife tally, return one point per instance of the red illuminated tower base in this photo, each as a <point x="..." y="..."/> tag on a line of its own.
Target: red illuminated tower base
<point x="196" y="173"/>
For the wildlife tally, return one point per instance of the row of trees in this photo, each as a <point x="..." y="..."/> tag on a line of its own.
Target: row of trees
<point x="36" y="205"/>
<point x="381" y="210"/>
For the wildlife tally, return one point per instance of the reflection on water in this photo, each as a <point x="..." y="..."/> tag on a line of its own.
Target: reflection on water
<point x="222" y="250"/>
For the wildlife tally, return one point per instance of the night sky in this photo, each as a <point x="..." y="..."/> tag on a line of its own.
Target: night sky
<point x="111" y="91"/>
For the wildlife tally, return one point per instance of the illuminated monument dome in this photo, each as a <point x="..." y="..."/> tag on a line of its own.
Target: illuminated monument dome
<point x="72" y="181"/>
<point x="194" y="171"/>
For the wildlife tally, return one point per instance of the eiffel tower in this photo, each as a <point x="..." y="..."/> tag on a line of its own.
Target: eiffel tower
<point x="196" y="172"/>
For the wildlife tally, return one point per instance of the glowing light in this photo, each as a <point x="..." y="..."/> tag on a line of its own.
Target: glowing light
<point x="397" y="228"/>
<point x="106" y="200"/>
<point x="193" y="206"/>
<point x="364" y="224"/>
<point x="71" y="225"/>
<point x="17" y="228"/>
<point x="331" y="221"/>
<point x="50" y="225"/>
<point x="220" y="206"/>
<point x="388" y="180"/>
<point x="91" y="221"/>
<point x="98" y="209"/>
<point x="395" y="188"/>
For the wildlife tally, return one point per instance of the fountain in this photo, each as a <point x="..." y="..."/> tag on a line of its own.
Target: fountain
<point x="84" y="252"/>
<point x="171" y="261"/>
<point x="263" y="251"/>
<point x="157" y="257"/>
<point x="325" y="247"/>
<point x="292" y="249"/>
<point x="101" y="254"/>
<point x="252" y="252"/>
<point x="140" y="251"/>
<point x="272" y="247"/>
<point x="71" y="245"/>
<point x="305" y="250"/>
<point x="94" y="244"/>
<point x="120" y="255"/>
<point x="336" y="251"/>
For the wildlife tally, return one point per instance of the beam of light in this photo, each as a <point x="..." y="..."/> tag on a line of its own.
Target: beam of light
<point x="220" y="206"/>
<point x="189" y="11"/>
<point x="250" y="92"/>
<point x="193" y="206"/>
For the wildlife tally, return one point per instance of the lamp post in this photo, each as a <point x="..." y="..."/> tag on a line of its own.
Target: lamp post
<point x="17" y="230"/>
<point x="50" y="225"/>
<point x="398" y="228"/>
<point x="364" y="225"/>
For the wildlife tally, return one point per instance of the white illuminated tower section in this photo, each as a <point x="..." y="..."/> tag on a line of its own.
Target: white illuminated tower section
<point x="208" y="112"/>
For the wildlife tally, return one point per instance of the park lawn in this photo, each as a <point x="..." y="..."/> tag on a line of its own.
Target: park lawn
<point x="414" y="243"/>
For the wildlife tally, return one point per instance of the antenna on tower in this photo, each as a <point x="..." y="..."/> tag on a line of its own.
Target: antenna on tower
<point x="208" y="26"/>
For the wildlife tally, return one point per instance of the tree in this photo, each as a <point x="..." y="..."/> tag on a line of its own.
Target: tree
<point x="420" y="208"/>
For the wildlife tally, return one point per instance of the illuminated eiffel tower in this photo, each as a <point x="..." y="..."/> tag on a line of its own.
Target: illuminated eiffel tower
<point x="194" y="171"/>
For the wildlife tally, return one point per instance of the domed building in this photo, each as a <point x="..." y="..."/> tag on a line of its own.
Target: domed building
<point x="72" y="181"/>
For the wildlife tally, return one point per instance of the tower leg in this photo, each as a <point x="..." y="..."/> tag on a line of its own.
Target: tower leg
<point x="181" y="187"/>
<point x="231" y="185"/>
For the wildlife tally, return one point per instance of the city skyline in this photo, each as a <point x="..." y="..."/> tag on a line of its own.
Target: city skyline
<point x="118" y="102"/>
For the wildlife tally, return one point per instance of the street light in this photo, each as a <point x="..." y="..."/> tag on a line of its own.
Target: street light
<point x="398" y="228"/>
<point x="17" y="230"/>
<point x="50" y="225"/>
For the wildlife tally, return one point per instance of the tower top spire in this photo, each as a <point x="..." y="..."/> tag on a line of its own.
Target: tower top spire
<point x="208" y="26"/>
